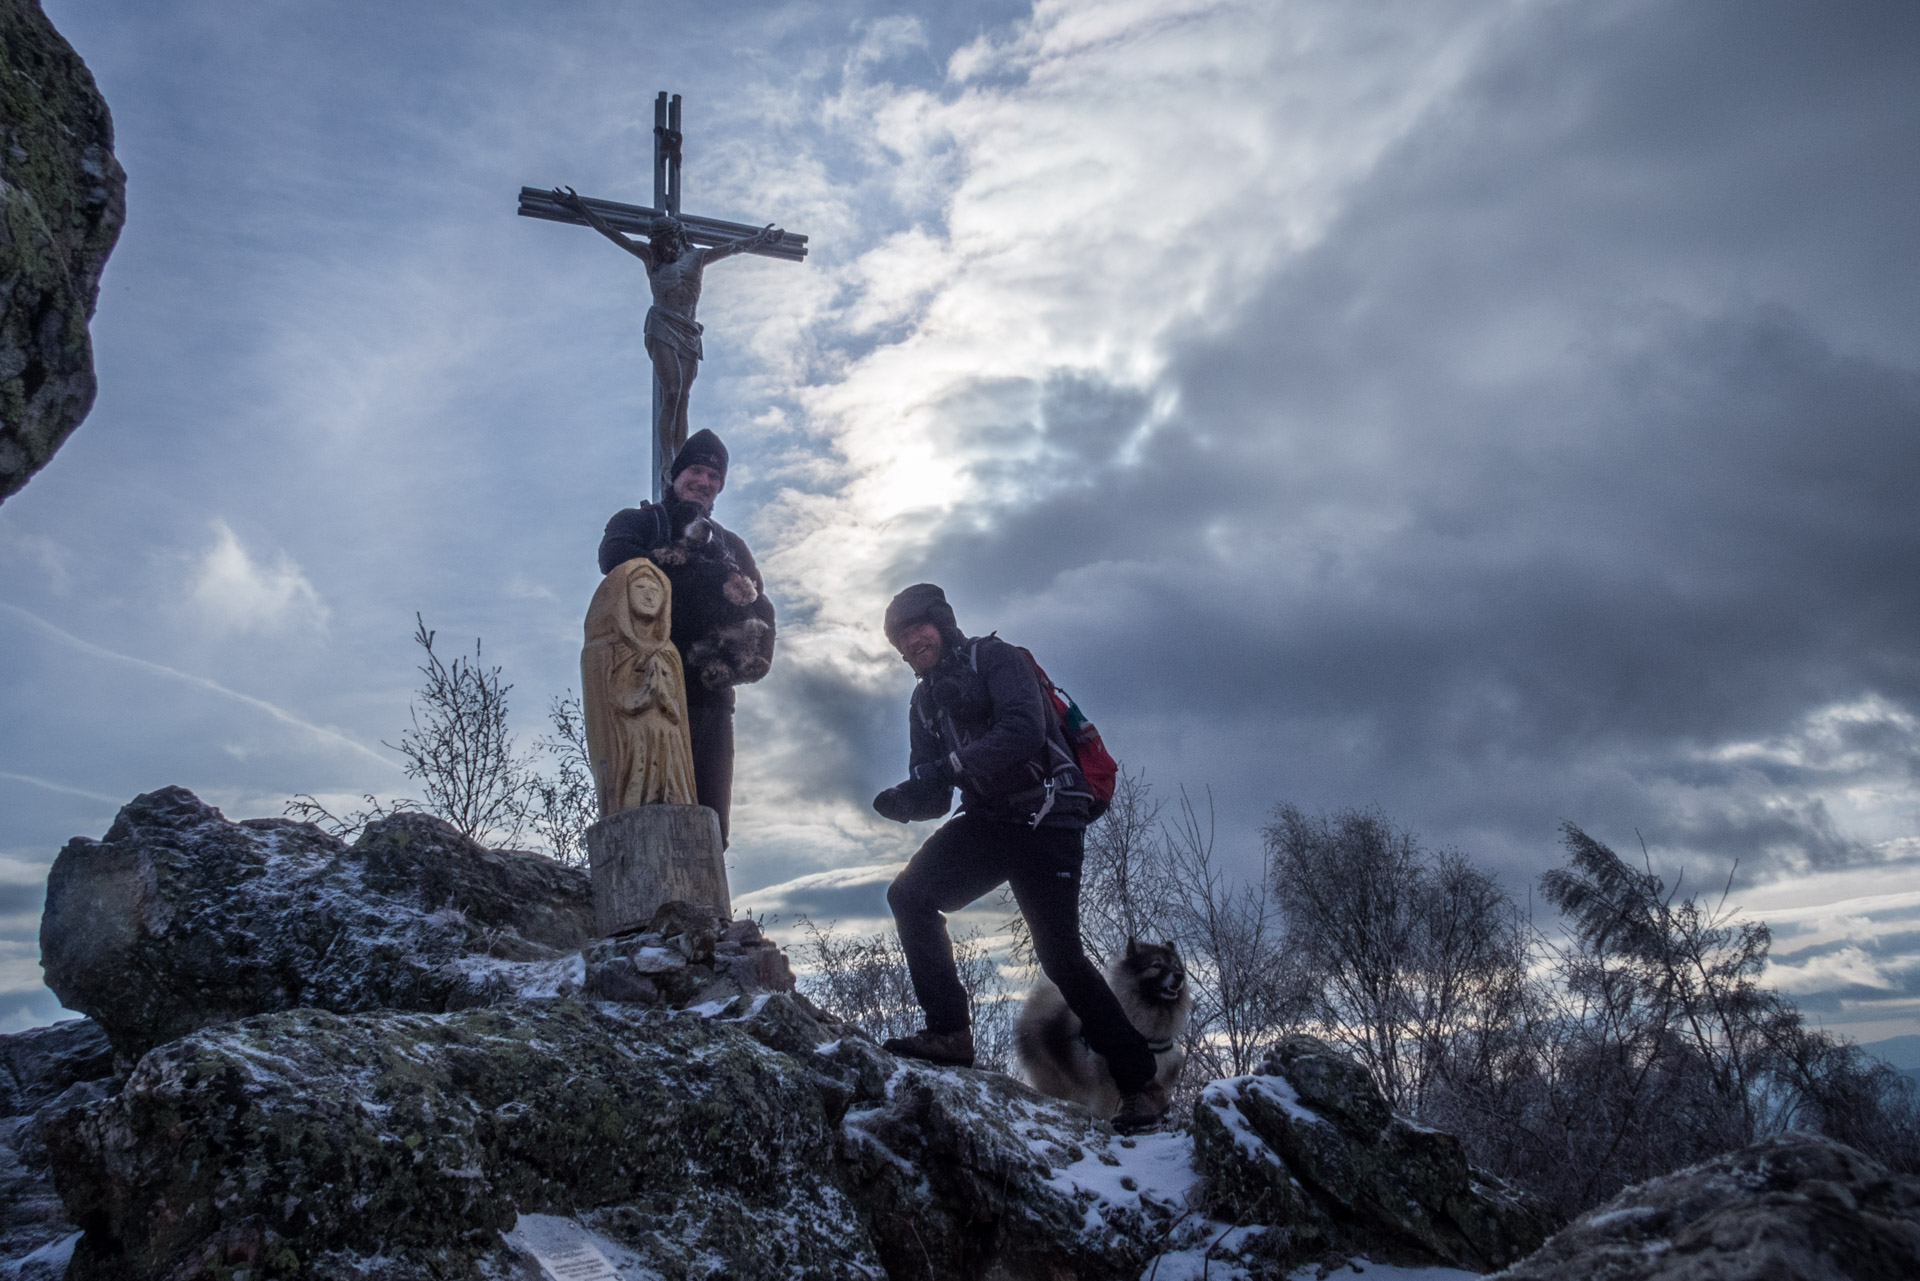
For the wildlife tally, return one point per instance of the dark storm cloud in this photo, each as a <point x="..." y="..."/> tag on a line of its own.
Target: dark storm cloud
<point x="1579" y="448"/>
<point x="839" y="733"/>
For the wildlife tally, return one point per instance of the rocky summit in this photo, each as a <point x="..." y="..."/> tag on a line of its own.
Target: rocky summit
<point x="407" y="1058"/>
<point x="1793" y="1208"/>
<point x="62" y="202"/>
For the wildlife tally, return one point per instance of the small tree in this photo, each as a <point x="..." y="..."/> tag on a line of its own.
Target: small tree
<point x="564" y="804"/>
<point x="461" y="752"/>
<point x="1406" y="954"/>
<point x="460" y="749"/>
<point x="1246" y="990"/>
<point x="864" y="980"/>
<point x="1123" y="889"/>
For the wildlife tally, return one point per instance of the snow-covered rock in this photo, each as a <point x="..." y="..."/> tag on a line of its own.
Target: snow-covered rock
<point x="180" y="919"/>
<point x="1798" y="1207"/>
<point x="1310" y="1142"/>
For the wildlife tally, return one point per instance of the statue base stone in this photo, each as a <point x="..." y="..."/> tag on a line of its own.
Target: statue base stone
<point x="651" y="855"/>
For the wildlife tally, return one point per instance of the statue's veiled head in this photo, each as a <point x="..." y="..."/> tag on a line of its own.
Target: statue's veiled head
<point x="647" y="592"/>
<point x="634" y="603"/>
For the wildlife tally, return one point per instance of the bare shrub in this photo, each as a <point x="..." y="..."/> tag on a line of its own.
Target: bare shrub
<point x="1123" y="883"/>
<point x="864" y="980"/>
<point x="1247" y="992"/>
<point x="561" y="806"/>
<point x="1410" y="959"/>
<point x="459" y="748"/>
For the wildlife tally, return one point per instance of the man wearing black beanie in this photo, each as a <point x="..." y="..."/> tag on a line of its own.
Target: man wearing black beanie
<point x="722" y="620"/>
<point x="980" y="721"/>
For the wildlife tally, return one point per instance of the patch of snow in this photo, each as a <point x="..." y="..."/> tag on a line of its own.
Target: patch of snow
<point x="758" y="1003"/>
<point x="657" y="960"/>
<point x="1281" y="1091"/>
<point x="50" y="1260"/>
<point x="1158" y="1166"/>
<point x="708" y="1009"/>
<point x="1622" y="1216"/>
<point x="1192" y="1264"/>
<point x="1245" y="1137"/>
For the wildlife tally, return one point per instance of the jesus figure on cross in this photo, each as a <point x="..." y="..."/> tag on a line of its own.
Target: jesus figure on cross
<point x="674" y="269"/>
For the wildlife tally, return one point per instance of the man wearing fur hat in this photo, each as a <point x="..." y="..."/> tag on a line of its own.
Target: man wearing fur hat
<point x="722" y="619"/>
<point x="980" y="721"/>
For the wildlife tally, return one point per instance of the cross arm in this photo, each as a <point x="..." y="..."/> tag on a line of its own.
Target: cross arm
<point x="639" y="220"/>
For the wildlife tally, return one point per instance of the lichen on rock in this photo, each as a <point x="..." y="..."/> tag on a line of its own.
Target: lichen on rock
<point x="1310" y="1142"/>
<point x="62" y="203"/>
<point x="276" y="1140"/>
<point x="180" y="919"/>
<point x="1797" y="1207"/>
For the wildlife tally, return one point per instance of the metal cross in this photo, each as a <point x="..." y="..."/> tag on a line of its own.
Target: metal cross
<point x="644" y="220"/>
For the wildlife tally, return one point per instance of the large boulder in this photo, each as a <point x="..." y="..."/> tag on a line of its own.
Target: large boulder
<point x="62" y="202"/>
<point x="1797" y="1207"/>
<point x="1310" y="1142"/>
<point x="753" y="1141"/>
<point x="180" y="919"/>
<point x="306" y="1143"/>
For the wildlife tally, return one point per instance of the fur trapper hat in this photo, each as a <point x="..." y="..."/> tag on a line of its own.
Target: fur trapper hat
<point x="701" y="447"/>
<point x="920" y="603"/>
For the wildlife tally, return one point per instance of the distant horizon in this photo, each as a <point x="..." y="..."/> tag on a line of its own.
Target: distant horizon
<point x="1498" y="414"/>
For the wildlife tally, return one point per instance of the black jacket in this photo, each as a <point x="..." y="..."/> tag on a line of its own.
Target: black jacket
<point x="722" y="620"/>
<point x="983" y="707"/>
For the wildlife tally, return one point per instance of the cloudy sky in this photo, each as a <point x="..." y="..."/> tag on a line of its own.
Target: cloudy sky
<point x="1497" y="411"/>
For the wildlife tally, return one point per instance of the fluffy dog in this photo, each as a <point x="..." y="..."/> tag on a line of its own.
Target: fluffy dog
<point x="1151" y="982"/>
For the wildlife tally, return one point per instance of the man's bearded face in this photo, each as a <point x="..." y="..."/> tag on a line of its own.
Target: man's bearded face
<point x="919" y="644"/>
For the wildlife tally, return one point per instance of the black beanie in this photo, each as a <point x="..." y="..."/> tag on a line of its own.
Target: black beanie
<point x="920" y="603"/>
<point x="701" y="447"/>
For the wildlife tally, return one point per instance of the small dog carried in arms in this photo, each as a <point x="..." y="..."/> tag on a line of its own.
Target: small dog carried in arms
<point x="1151" y="982"/>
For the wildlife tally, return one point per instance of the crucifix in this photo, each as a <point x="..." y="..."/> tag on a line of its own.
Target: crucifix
<point x="676" y="252"/>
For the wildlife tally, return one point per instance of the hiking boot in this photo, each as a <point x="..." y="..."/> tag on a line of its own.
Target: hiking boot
<point x="952" y="1049"/>
<point x="1142" y="1109"/>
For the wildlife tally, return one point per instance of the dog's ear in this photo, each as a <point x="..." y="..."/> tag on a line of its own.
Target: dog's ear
<point x="1133" y="946"/>
<point x="1170" y="947"/>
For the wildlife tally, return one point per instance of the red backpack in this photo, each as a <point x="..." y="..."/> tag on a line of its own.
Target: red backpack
<point x="1090" y="753"/>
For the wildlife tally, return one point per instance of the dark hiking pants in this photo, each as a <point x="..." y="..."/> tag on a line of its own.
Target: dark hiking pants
<point x="969" y="856"/>
<point x="710" y="725"/>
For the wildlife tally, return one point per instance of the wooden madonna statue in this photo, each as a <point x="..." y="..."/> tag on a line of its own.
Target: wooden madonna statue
<point x="634" y="694"/>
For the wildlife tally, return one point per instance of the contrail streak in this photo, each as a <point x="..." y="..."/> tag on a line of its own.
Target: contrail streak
<point x="215" y="687"/>
<point x="115" y="801"/>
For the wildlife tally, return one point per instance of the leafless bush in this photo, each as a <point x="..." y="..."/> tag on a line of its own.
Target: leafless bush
<point x="460" y="750"/>
<point x="563" y="805"/>
<point x="1123" y="883"/>
<point x="308" y="809"/>
<point x="864" y="980"/>
<point x="1247" y="991"/>
<point x="1411" y="959"/>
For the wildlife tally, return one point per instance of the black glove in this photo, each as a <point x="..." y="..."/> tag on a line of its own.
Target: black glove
<point x="944" y="771"/>
<point x="893" y="804"/>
